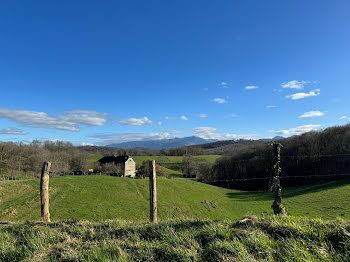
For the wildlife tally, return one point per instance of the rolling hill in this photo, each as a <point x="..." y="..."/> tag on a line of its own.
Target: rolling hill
<point x="97" y="198"/>
<point x="171" y="164"/>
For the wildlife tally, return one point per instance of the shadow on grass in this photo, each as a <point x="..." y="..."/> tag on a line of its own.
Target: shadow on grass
<point x="173" y="166"/>
<point x="249" y="196"/>
<point x="287" y="192"/>
<point x="296" y="191"/>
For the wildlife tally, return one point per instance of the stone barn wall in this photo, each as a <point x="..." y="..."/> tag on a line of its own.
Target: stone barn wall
<point x="130" y="168"/>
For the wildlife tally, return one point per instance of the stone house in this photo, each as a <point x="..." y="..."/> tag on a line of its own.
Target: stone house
<point x="126" y="163"/>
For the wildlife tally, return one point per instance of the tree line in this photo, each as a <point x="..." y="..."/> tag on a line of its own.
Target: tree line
<point x="311" y="157"/>
<point x="27" y="159"/>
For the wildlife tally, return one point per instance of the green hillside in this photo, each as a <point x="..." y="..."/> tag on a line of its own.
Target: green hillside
<point x="172" y="164"/>
<point x="97" y="198"/>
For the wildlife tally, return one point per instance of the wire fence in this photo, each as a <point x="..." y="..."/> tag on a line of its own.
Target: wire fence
<point x="256" y="172"/>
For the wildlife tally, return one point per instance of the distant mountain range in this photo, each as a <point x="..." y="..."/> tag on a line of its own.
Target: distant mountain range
<point x="164" y="143"/>
<point x="175" y="142"/>
<point x="272" y="139"/>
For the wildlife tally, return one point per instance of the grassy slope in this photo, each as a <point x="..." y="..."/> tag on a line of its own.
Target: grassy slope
<point x="267" y="239"/>
<point x="97" y="198"/>
<point x="174" y="162"/>
<point x="170" y="162"/>
<point x="94" y="158"/>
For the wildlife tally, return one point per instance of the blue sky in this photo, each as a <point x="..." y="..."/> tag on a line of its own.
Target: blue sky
<point x="99" y="72"/>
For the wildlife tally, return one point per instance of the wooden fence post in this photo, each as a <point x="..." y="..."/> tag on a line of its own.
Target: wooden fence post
<point x="44" y="192"/>
<point x="277" y="206"/>
<point x="153" y="191"/>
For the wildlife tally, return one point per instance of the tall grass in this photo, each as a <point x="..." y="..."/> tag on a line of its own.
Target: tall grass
<point x="255" y="239"/>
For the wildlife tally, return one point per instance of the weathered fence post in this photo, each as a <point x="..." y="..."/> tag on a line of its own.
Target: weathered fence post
<point x="153" y="191"/>
<point x="277" y="206"/>
<point x="44" y="192"/>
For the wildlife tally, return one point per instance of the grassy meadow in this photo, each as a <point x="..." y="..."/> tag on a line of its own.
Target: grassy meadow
<point x="252" y="239"/>
<point x="97" y="198"/>
<point x="171" y="164"/>
<point x="105" y="218"/>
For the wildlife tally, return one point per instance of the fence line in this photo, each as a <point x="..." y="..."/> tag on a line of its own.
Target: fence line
<point x="287" y="156"/>
<point x="281" y="177"/>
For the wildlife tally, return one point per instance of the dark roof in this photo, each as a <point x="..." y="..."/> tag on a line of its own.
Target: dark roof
<point x="113" y="159"/>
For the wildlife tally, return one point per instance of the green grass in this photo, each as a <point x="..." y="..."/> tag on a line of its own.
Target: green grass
<point x="256" y="239"/>
<point x="94" y="158"/>
<point x="175" y="159"/>
<point x="97" y="198"/>
<point x="172" y="164"/>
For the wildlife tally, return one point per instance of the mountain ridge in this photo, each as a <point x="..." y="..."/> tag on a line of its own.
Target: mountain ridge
<point x="164" y="143"/>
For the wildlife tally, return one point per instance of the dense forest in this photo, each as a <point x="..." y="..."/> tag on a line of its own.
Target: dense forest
<point x="312" y="157"/>
<point x="27" y="159"/>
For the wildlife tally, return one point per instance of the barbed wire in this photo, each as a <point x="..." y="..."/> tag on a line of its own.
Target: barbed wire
<point x="257" y="158"/>
<point x="281" y="177"/>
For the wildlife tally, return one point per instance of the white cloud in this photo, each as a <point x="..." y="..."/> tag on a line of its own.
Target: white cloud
<point x="297" y="96"/>
<point x="68" y="121"/>
<point x="220" y="100"/>
<point x="251" y="87"/>
<point x="169" y="118"/>
<point x="295" y="84"/>
<point x="127" y="137"/>
<point x="86" y="117"/>
<point x="87" y="144"/>
<point x="136" y="121"/>
<point x="203" y="115"/>
<point x="223" y="85"/>
<point x="159" y="123"/>
<point x="12" y="131"/>
<point x="297" y="130"/>
<point x="270" y="106"/>
<point x="206" y="89"/>
<point x="345" y="118"/>
<point x="184" y="118"/>
<point x="312" y="114"/>
<point x="210" y="133"/>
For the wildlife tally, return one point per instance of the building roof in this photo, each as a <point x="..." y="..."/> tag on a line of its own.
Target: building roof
<point x="113" y="159"/>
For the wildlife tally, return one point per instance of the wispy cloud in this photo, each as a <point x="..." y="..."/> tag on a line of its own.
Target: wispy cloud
<point x="12" y="131"/>
<point x="210" y="133"/>
<point x="251" y="87"/>
<point x="297" y="96"/>
<point x="184" y="118"/>
<point x="294" y="84"/>
<point x="220" y="100"/>
<point x="297" y="130"/>
<point x="345" y="118"/>
<point x="203" y="115"/>
<point x="270" y="106"/>
<point x="86" y="144"/>
<point x="68" y="121"/>
<point x="169" y="118"/>
<point x="224" y="85"/>
<point x="107" y="139"/>
<point x="312" y="114"/>
<point x="136" y="121"/>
